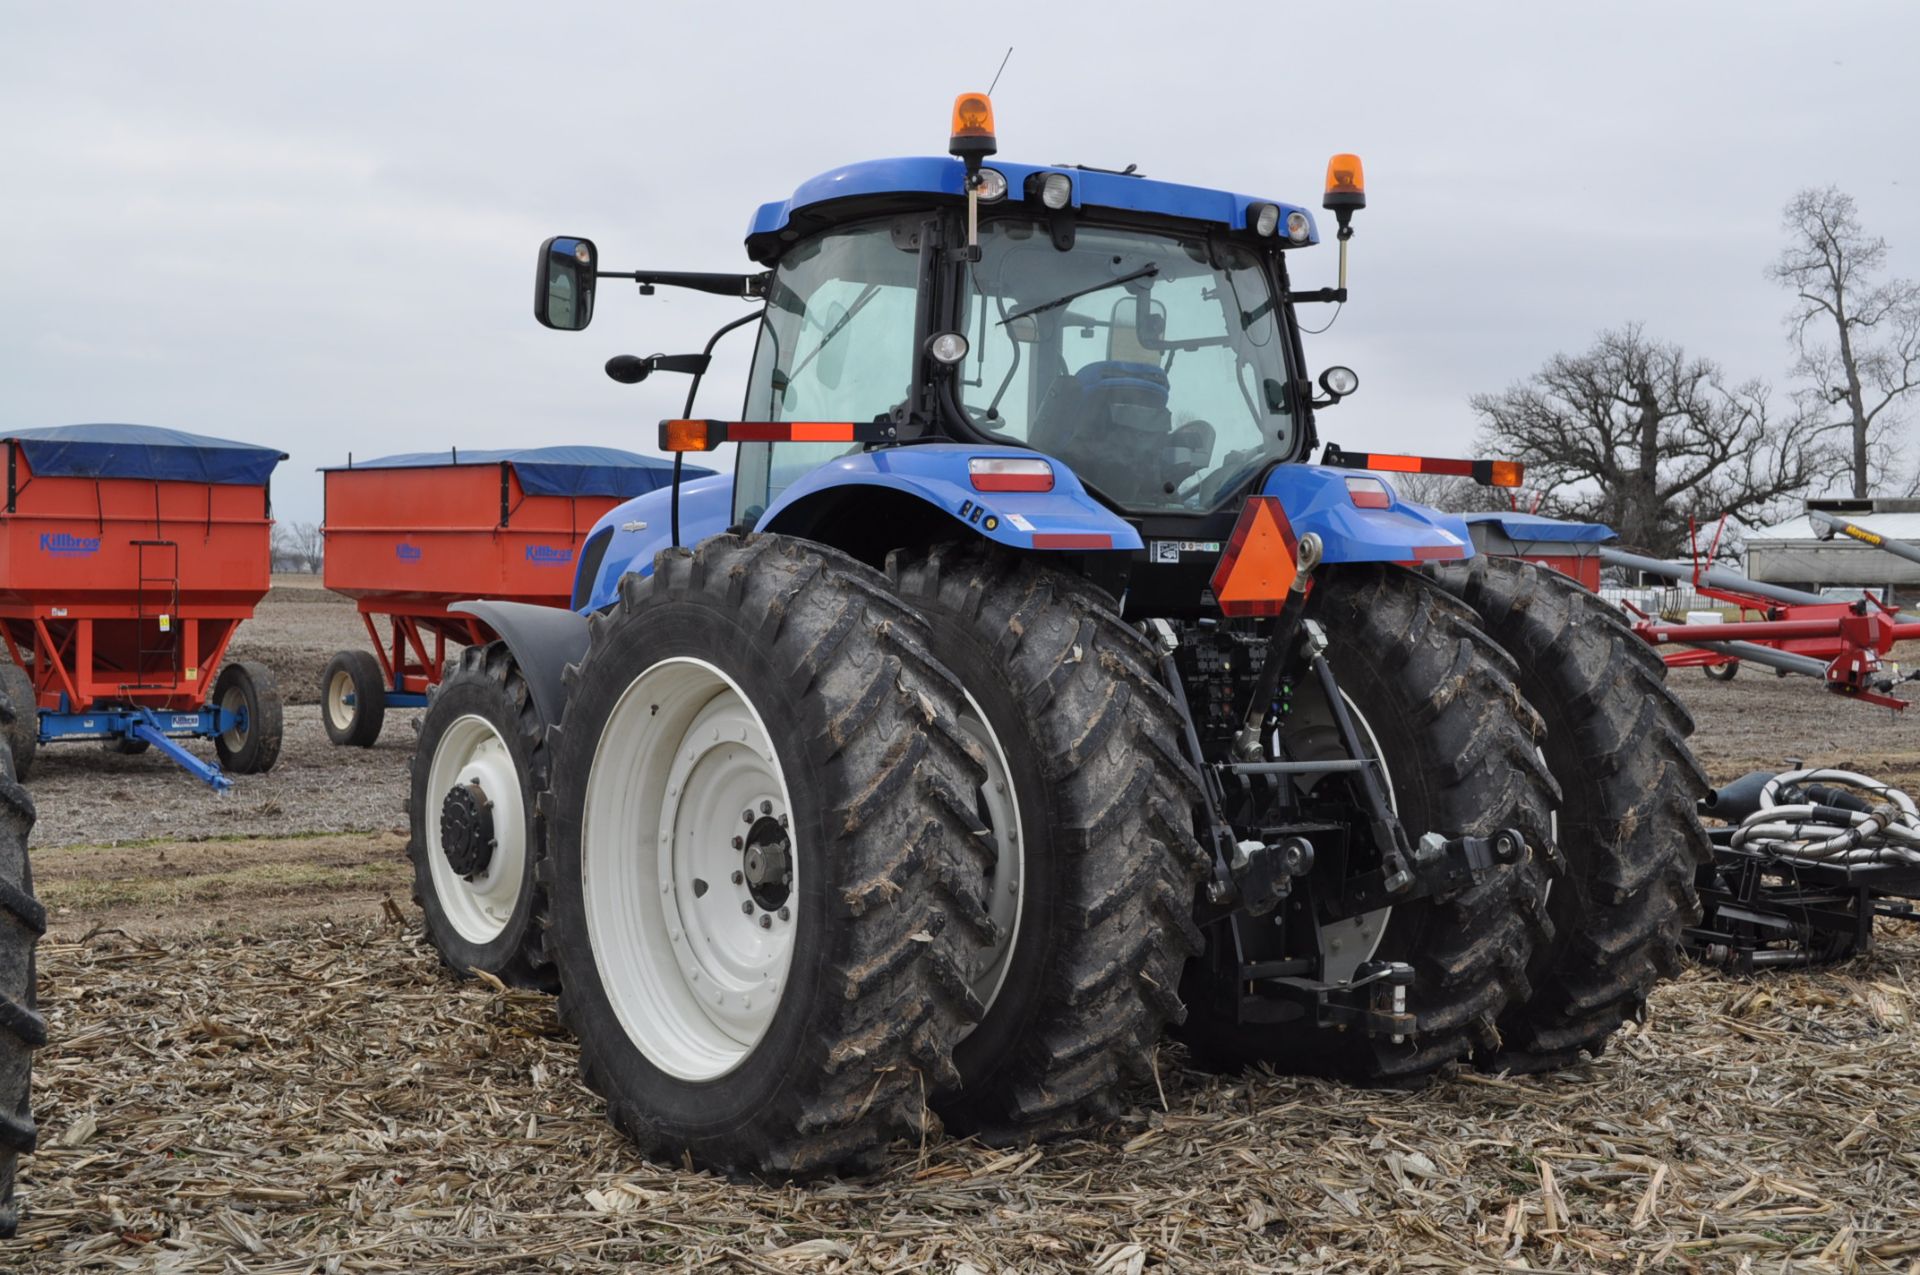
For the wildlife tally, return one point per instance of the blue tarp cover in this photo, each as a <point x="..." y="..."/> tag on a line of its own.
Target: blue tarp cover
<point x="552" y="471"/>
<point x="143" y="451"/>
<point x="1516" y="526"/>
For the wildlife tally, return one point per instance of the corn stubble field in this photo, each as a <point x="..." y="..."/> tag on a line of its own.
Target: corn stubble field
<point x="258" y="1066"/>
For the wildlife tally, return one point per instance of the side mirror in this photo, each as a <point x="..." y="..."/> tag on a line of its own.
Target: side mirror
<point x="563" y="283"/>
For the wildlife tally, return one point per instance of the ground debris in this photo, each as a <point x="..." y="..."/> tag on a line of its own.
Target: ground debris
<point x="326" y="1098"/>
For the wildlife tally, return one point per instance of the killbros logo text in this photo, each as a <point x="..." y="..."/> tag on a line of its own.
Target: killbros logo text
<point x="62" y="545"/>
<point x="548" y="556"/>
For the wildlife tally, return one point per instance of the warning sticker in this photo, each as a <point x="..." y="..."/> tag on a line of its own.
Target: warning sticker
<point x="1171" y="550"/>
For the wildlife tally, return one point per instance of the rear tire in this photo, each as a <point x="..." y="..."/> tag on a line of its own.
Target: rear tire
<point x="482" y="737"/>
<point x="1459" y="744"/>
<point x="353" y="699"/>
<point x="23" y="728"/>
<point x="22" y="1029"/>
<point x="1616" y="742"/>
<point x="788" y="681"/>
<point x="252" y="747"/>
<point x="1105" y="810"/>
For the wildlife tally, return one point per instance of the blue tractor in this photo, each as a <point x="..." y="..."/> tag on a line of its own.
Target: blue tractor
<point x="1027" y="691"/>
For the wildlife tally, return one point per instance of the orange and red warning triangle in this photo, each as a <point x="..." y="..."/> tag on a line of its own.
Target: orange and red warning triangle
<point x="1261" y="561"/>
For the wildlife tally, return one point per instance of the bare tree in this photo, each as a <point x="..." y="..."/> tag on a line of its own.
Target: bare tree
<point x="1857" y="336"/>
<point x="298" y="546"/>
<point x="1636" y="434"/>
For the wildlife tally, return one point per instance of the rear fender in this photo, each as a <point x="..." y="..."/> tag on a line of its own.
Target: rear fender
<point x="543" y="641"/>
<point x="828" y="504"/>
<point x="1316" y="500"/>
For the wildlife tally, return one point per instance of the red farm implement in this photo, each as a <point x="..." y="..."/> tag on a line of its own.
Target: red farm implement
<point x="1843" y="642"/>
<point x="128" y="557"/>
<point x="410" y="537"/>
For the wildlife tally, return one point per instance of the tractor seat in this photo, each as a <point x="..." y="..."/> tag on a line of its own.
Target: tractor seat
<point x="1108" y="421"/>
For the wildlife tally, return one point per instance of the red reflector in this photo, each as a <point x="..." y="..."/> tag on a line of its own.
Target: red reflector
<point x="1261" y="561"/>
<point x="1009" y="473"/>
<point x="1438" y="553"/>
<point x="1071" y="540"/>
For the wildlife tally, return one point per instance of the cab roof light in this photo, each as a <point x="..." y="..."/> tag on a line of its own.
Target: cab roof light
<point x="972" y="134"/>
<point x="704" y="436"/>
<point x="1488" y="473"/>
<point x="1009" y="473"/>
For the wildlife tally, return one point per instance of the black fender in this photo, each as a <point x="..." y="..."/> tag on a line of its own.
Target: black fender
<point x="543" y="640"/>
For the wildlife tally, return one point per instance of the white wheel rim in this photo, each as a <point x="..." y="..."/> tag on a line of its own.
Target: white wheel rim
<point x="471" y="751"/>
<point x="1000" y="804"/>
<point x="340" y="700"/>
<point x="235" y="736"/>
<point x="692" y="961"/>
<point x="1350" y="942"/>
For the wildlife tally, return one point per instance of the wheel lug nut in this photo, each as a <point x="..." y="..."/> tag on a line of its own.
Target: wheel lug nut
<point x="766" y="807"/>
<point x="783" y="821"/>
<point x="739" y="843"/>
<point x="746" y="816"/>
<point x="738" y="876"/>
<point x="766" y="922"/>
<point x="746" y="906"/>
<point x="786" y="914"/>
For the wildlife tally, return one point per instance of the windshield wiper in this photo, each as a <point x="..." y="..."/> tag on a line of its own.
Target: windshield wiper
<point x="1151" y="268"/>
<point x="859" y="302"/>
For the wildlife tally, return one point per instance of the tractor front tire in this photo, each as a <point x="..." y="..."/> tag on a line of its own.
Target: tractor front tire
<point x="478" y="769"/>
<point x="353" y="699"/>
<point x="766" y="888"/>
<point x="248" y="688"/>
<point x="1617" y="743"/>
<point x="1106" y="858"/>
<point x="1437" y="700"/>
<point x="22" y="1029"/>
<point x="23" y="728"/>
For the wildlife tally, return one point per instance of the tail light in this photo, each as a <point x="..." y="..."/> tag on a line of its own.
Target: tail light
<point x="1010" y="473"/>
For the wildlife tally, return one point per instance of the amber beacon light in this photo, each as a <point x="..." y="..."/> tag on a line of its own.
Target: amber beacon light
<point x="972" y="137"/>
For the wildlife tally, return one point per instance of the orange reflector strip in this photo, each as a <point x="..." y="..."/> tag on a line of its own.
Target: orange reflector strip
<point x="1261" y="561"/>
<point x="704" y="436"/>
<point x="1488" y="473"/>
<point x="1507" y="473"/>
<point x="688" y="436"/>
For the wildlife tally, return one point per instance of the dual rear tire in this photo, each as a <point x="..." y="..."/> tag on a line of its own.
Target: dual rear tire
<point x="765" y="882"/>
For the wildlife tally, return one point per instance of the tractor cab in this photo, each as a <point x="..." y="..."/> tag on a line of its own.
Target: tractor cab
<point x="1138" y="334"/>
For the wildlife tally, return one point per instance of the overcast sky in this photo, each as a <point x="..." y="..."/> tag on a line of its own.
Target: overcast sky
<point x="314" y="227"/>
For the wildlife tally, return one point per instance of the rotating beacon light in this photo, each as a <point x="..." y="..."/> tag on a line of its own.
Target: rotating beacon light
<point x="971" y="141"/>
<point x="1346" y="192"/>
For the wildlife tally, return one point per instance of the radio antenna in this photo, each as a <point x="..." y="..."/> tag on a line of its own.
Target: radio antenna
<point x="996" y="74"/>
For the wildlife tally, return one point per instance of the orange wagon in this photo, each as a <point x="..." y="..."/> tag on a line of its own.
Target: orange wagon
<point x="129" y="555"/>
<point x="408" y="536"/>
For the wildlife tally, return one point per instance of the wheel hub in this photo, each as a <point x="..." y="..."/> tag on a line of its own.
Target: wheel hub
<point x="767" y="863"/>
<point x="466" y="829"/>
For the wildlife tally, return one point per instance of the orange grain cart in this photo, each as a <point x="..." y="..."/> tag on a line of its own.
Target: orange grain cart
<point x="129" y="555"/>
<point x="408" y="536"/>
